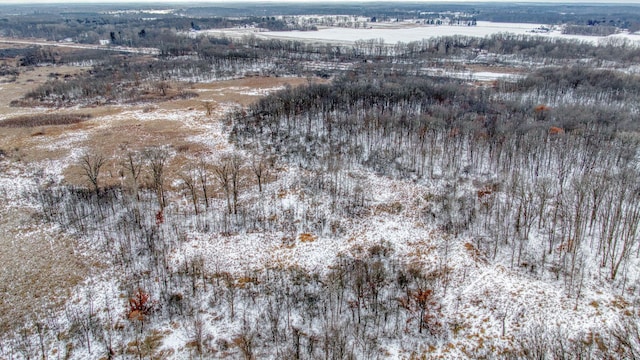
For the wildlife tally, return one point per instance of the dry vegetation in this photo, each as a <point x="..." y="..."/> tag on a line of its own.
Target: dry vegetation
<point x="149" y="209"/>
<point x="40" y="267"/>
<point x="43" y="120"/>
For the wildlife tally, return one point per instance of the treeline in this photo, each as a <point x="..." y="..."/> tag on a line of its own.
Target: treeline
<point x="119" y="77"/>
<point x="44" y="120"/>
<point x="44" y="55"/>
<point x="590" y="30"/>
<point x="620" y="16"/>
<point x="523" y="47"/>
<point x="579" y="84"/>
<point x="127" y="29"/>
<point x="505" y="48"/>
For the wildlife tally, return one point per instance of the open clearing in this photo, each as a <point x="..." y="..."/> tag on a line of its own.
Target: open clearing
<point x="408" y="32"/>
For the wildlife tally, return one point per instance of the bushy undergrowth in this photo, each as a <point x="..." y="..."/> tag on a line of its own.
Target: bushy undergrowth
<point x="26" y="121"/>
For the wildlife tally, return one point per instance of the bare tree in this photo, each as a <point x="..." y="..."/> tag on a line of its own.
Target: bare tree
<point x="222" y="173"/>
<point x="157" y="158"/>
<point x="203" y="175"/>
<point x="626" y="336"/>
<point x="188" y="178"/>
<point x="199" y="332"/>
<point x="235" y="163"/>
<point x="163" y="86"/>
<point x="245" y="341"/>
<point x="230" y="293"/>
<point x="227" y="172"/>
<point x="91" y="165"/>
<point x="133" y="166"/>
<point x="259" y="168"/>
<point x="209" y="106"/>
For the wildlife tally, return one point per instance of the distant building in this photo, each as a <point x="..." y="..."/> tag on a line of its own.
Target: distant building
<point x="541" y="30"/>
<point x="104" y="42"/>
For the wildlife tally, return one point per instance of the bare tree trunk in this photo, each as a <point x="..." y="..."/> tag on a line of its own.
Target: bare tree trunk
<point x="157" y="159"/>
<point x="91" y="165"/>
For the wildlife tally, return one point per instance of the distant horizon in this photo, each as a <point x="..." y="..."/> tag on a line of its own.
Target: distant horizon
<point x="204" y="2"/>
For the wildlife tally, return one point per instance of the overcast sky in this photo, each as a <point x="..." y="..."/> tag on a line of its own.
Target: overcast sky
<point x="226" y="2"/>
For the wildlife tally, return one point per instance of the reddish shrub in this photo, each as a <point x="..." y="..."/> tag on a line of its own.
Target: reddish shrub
<point x="554" y="130"/>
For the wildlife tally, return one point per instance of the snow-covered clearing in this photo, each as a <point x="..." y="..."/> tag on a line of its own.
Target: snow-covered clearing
<point x="72" y="45"/>
<point x="392" y="35"/>
<point x="472" y="75"/>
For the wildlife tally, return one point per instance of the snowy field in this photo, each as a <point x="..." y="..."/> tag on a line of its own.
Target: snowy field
<point x="392" y="35"/>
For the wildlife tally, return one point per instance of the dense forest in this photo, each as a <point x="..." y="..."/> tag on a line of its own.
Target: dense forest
<point x="428" y="185"/>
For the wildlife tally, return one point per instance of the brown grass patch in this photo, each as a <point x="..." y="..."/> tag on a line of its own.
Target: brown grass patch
<point x="392" y="208"/>
<point x="306" y="237"/>
<point x="244" y="280"/>
<point x="235" y="90"/>
<point x="149" y="347"/>
<point x="32" y="281"/>
<point x="113" y="137"/>
<point x="44" y="120"/>
<point x="476" y="255"/>
<point x="619" y="302"/>
<point x="496" y="69"/>
<point x="27" y="80"/>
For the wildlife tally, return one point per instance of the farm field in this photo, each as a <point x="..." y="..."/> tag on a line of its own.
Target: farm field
<point x="408" y="32"/>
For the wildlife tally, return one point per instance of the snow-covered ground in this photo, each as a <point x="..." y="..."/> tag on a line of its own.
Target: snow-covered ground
<point x="392" y="35"/>
<point x="490" y="303"/>
<point x="472" y="75"/>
